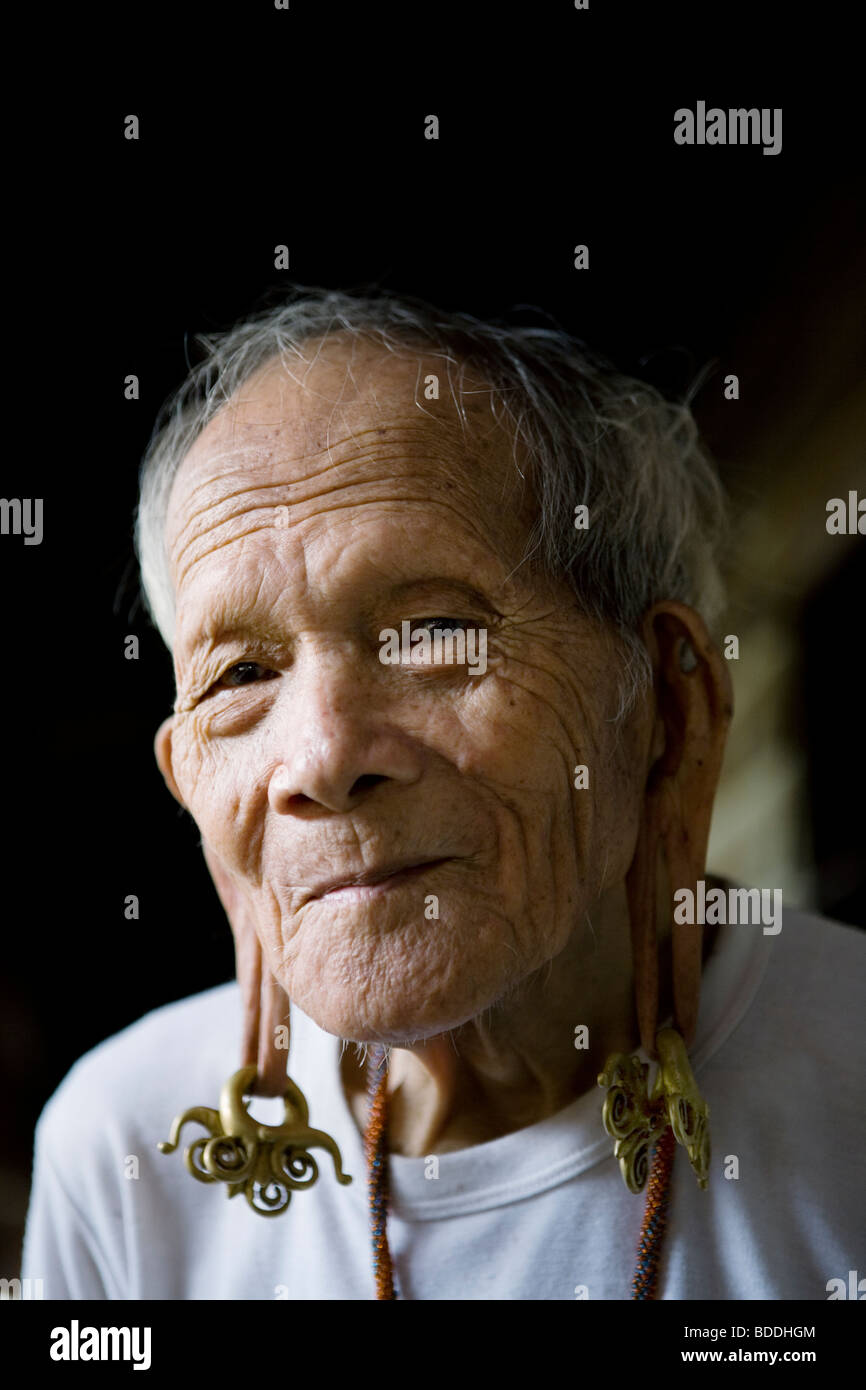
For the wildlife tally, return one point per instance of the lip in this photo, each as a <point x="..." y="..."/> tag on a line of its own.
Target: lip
<point x="373" y="882"/>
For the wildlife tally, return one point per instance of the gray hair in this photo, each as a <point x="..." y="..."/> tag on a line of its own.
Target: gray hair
<point x="591" y="435"/>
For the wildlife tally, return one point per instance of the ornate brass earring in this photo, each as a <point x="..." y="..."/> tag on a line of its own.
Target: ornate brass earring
<point x="635" y="1118"/>
<point x="265" y="1162"/>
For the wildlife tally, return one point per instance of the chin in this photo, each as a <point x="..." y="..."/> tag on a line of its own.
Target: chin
<point x="375" y="1013"/>
<point x="376" y="977"/>
<point x="396" y="1023"/>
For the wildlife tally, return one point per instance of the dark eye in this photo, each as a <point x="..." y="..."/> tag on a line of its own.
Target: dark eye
<point x="429" y="623"/>
<point x="244" y="673"/>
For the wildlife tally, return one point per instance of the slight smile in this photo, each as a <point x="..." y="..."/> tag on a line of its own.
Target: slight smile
<point x="376" y="882"/>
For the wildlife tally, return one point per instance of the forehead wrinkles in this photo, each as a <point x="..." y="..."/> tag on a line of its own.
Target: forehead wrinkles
<point x="361" y="392"/>
<point x="223" y="496"/>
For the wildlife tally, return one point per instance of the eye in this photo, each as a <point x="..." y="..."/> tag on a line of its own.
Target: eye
<point x="441" y="642"/>
<point x="441" y="622"/>
<point x="243" y="673"/>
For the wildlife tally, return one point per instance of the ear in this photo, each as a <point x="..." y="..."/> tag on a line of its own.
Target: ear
<point x="265" y="1005"/>
<point x="693" y="706"/>
<point x="162" y="749"/>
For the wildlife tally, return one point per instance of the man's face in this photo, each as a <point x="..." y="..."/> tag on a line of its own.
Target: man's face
<point x="311" y="514"/>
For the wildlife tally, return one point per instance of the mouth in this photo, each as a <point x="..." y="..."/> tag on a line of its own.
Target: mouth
<point x="375" y="882"/>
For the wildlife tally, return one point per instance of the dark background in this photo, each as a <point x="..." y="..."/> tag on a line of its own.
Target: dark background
<point x="306" y="127"/>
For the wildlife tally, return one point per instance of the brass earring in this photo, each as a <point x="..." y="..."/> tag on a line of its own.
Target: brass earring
<point x="265" y="1162"/>
<point x="636" y="1117"/>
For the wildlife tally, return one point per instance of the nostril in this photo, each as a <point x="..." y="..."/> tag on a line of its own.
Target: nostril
<point x="365" y="783"/>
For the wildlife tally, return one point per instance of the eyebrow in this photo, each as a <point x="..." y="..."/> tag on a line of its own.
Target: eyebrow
<point x="215" y="629"/>
<point x="440" y="581"/>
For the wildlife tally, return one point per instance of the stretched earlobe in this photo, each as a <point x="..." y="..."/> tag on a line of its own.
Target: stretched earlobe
<point x="693" y="706"/>
<point x="694" y="702"/>
<point x="266" y="1008"/>
<point x="641" y="888"/>
<point x="265" y="1162"/>
<point x="266" y="1017"/>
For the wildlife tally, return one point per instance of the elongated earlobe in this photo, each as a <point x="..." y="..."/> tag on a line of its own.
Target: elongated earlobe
<point x="693" y="707"/>
<point x="266" y="1028"/>
<point x="641" y="888"/>
<point x="265" y="1005"/>
<point x="694" y="702"/>
<point x="267" y="1163"/>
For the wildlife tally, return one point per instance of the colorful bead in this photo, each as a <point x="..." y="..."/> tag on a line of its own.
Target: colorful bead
<point x="649" y="1250"/>
<point x="377" y="1167"/>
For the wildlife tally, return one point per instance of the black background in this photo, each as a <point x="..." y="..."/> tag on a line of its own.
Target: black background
<point x="306" y="127"/>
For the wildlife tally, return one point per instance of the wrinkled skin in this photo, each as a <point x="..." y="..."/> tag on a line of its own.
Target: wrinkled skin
<point x="317" y="762"/>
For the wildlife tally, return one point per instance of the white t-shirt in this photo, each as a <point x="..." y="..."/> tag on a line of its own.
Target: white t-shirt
<point x="540" y="1214"/>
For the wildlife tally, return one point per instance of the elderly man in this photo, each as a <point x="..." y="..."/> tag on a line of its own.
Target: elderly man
<point x="450" y="719"/>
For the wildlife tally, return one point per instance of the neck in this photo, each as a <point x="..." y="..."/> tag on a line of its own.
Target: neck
<point x="518" y="1062"/>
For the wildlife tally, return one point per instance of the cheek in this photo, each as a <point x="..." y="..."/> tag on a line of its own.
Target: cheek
<point x="568" y="783"/>
<point x="517" y="745"/>
<point x="618" y="803"/>
<point x="216" y="780"/>
<point x="187" y="760"/>
<point x="512" y="737"/>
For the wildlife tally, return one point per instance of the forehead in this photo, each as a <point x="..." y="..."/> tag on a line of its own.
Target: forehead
<point x="342" y="398"/>
<point x="352" y="433"/>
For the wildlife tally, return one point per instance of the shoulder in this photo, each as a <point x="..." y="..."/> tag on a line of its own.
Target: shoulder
<point x="793" y="1022"/>
<point x="784" y="1089"/>
<point x="821" y="966"/>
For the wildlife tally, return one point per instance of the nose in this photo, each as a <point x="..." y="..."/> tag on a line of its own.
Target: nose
<point x="339" y="741"/>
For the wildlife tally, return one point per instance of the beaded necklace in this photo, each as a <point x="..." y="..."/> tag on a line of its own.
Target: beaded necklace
<point x="645" y="1281"/>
